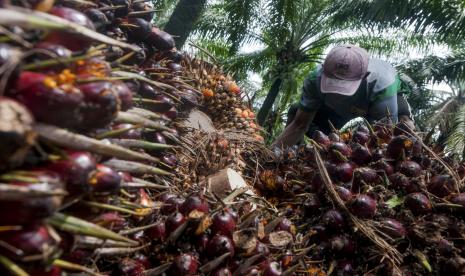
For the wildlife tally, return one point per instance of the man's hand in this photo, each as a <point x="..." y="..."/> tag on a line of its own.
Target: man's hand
<point x="294" y="131"/>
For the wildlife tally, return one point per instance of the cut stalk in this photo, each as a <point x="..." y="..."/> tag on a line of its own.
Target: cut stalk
<point x="75" y="267"/>
<point x="109" y="207"/>
<point x="142" y="185"/>
<point x="12" y="267"/>
<point x="64" y="138"/>
<point x="118" y="251"/>
<point x="79" y="226"/>
<point x="115" y="132"/>
<point x="140" y="144"/>
<point x="93" y="243"/>
<point x="9" y="192"/>
<point x="134" y="167"/>
<point x="131" y="118"/>
<point x="147" y="113"/>
<point x="137" y="229"/>
<point x="214" y="263"/>
<point x="158" y="270"/>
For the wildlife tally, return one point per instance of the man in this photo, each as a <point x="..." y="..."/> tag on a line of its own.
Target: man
<point x="348" y="85"/>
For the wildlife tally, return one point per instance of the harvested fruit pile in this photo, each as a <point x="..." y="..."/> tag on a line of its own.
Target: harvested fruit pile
<point x="373" y="200"/>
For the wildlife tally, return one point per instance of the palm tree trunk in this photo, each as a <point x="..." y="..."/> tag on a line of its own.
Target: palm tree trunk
<point x="183" y="19"/>
<point x="269" y="101"/>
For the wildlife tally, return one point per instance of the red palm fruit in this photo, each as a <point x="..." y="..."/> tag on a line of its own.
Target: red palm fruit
<point x="398" y="145"/>
<point x="363" y="206"/>
<point x="418" y="203"/>
<point x="194" y="202"/>
<point x="172" y="113"/>
<point x="201" y="243"/>
<point x="124" y="94"/>
<point x="223" y="223"/>
<point x="111" y="220"/>
<point x="343" y="193"/>
<point x="75" y="169"/>
<point x="16" y="133"/>
<point x="364" y="176"/>
<point x="45" y="98"/>
<point x="129" y="267"/>
<point x="220" y="245"/>
<point x="100" y="105"/>
<point x="342" y="245"/>
<point x="393" y="228"/>
<point x="33" y="209"/>
<point x="184" y="264"/>
<point x="409" y="168"/>
<point x="224" y="271"/>
<point x="134" y="133"/>
<point x="344" y="172"/>
<point x="71" y="40"/>
<point x="286" y="225"/>
<point x="441" y="185"/>
<point x="333" y="220"/>
<point x="339" y="152"/>
<point x="361" y="155"/>
<point x="161" y="40"/>
<point x="94" y="67"/>
<point x="272" y="269"/>
<point x="157" y="232"/>
<point x="321" y="139"/>
<point x="104" y="180"/>
<point x="34" y="243"/>
<point x="174" y="221"/>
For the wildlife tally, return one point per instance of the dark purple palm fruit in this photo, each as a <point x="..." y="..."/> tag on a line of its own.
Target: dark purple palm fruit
<point x="201" y="243"/>
<point x="175" y="67"/>
<point x="224" y="271"/>
<point x="344" y="172"/>
<point x="69" y="39"/>
<point x="383" y="167"/>
<point x="171" y="204"/>
<point x="333" y="220"/>
<point x="174" y="221"/>
<point x="128" y="267"/>
<point x="100" y="106"/>
<point x="312" y="205"/>
<point x="32" y="209"/>
<point x="172" y="113"/>
<point x="161" y="104"/>
<point x="123" y="8"/>
<point x="344" y="268"/>
<point x="184" y="264"/>
<point x="49" y="51"/>
<point x="344" y="193"/>
<point x="104" y="180"/>
<point x="75" y="169"/>
<point x="271" y="269"/>
<point x="418" y="203"/>
<point x="174" y="56"/>
<point x="364" y="176"/>
<point x="220" y="245"/>
<point x="99" y="19"/>
<point x="342" y="245"/>
<point x="393" y="228"/>
<point x="132" y="133"/>
<point x="170" y="159"/>
<point x="363" y="206"/>
<point x="33" y="243"/>
<point x="46" y="98"/>
<point x="154" y="137"/>
<point x="189" y="99"/>
<point x="378" y="154"/>
<point x="161" y="40"/>
<point x="321" y="139"/>
<point x="334" y="137"/>
<point x="16" y="133"/>
<point x="441" y="185"/>
<point x="361" y="155"/>
<point x="399" y="181"/>
<point x="147" y="91"/>
<point x="52" y="270"/>
<point x="400" y="145"/>
<point x="360" y="137"/>
<point x="458" y="199"/>
<point x="223" y="223"/>
<point x="339" y="152"/>
<point x="142" y="7"/>
<point x="409" y="168"/>
<point x="124" y="94"/>
<point x="194" y="202"/>
<point x="138" y="29"/>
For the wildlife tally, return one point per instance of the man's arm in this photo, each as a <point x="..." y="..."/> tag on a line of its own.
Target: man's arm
<point x="294" y="132"/>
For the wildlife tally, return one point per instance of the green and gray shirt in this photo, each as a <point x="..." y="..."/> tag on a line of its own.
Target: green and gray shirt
<point x="376" y="95"/>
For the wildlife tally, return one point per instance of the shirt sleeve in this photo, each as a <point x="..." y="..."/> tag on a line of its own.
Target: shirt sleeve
<point x="310" y="100"/>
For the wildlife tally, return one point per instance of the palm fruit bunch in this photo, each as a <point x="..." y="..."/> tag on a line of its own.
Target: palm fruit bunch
<point x="91" y="154"/>
<point x="374" y="198"/>
<point x="221" y="97"/>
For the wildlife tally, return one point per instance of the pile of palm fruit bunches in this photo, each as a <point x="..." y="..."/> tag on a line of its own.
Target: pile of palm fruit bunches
<point x="99" y="177"/>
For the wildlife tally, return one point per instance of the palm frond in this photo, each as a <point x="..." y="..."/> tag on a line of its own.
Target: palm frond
<point x="456" y="139"/>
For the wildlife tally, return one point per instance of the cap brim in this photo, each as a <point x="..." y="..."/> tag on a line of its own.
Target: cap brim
<point x="337" y="86"/>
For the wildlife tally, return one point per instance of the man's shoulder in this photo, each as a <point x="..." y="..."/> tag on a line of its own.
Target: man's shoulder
<point x="381" y="74"/>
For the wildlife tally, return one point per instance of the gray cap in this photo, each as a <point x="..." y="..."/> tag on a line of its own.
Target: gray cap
<point x="344" y="69"/>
